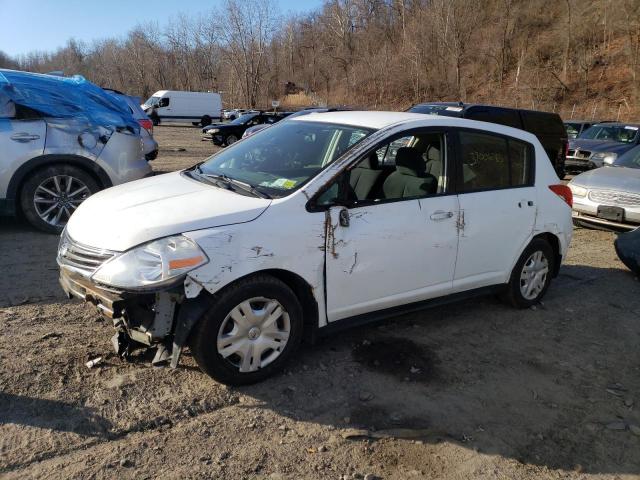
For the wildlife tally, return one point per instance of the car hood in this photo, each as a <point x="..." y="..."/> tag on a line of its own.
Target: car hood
<point x="610" y="178"/>
<point x="137" y="212"/>
<point x="215" y="125"/>
<point x="599" y="145"/>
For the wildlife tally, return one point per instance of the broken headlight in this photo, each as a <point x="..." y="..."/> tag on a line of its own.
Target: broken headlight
<point x="152" y="264"/>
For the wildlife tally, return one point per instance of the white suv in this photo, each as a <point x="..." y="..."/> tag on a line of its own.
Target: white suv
<point x="321" y="222"/>
<point x="61" y="140"/>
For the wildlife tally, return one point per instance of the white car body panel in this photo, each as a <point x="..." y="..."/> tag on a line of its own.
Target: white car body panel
<point x="180" y="205"/>
<point x="384" y="255"/>
<point x="242" y="235"/>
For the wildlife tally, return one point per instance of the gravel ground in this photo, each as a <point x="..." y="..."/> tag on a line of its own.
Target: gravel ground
<point x="471" y="390"/>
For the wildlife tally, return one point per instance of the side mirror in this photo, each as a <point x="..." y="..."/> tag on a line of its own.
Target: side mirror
<point x="7" y="107"/>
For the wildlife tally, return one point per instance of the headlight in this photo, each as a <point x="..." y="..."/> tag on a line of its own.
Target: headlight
<point x="578" y="191"/>
<point x="605" y="157"/>
<point x="152" y="264"/>
<point x="213" y="130"/>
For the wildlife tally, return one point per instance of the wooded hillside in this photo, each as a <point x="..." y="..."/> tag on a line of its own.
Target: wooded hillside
<point x="578" y="57"/>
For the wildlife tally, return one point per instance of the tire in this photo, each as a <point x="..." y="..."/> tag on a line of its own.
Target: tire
<point x="217" y="327"/>
<point x="205" y="121"/>
<point x="231" y="139"/>
<point x="535" y="256"/>
<point x="36" y="195"/>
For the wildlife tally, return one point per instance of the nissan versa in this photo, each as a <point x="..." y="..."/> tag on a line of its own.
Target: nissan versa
<point x="317" y="223"/>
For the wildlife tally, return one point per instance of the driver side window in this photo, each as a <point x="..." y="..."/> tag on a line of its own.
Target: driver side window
<point x="407" y="167"/>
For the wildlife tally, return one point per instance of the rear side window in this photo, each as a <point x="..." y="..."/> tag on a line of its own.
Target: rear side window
<point x="491" y="162"/>
<point x="543" y="123"/>
<point x="502" y="116"/>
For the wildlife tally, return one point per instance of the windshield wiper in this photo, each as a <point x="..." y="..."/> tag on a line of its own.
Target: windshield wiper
<point x="232" y="182"/>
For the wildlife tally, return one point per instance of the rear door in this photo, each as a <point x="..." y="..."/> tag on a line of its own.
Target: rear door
<point x="497" y="206"/>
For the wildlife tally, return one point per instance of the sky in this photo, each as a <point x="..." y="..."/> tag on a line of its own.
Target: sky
<point x="45" y="25"/>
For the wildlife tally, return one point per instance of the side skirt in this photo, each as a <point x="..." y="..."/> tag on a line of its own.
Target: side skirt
<point x="382" y="315"/>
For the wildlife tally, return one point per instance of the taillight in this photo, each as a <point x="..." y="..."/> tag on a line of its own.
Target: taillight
<point x="147" y="124"/>
<point x="564" y="192"/>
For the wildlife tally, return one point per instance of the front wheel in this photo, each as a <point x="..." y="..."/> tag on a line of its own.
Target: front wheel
<point x="252" y="329"/>
<point x="52" y="194"/>
<point x="231" y="139"/>
<point x="531" y="275"/>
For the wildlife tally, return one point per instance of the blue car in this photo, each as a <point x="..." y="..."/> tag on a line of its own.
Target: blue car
<point x="600" y="145"/>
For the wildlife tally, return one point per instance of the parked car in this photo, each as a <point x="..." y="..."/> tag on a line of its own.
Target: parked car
<point x="311" y="229"/>
<point x="601" y="144"/>
<point x="199" y="108"/>
<point x="546" y="126"/>
<point x="576" y="127"/>
<point x="150" y="146"/>
<point x="233" y="113"/>
<point x="288" y="115"/>
<point x="62" y="139"/>
<point x="279" y="116"/>
<point x="227" y="133"/>
<point x="609" y="196"/>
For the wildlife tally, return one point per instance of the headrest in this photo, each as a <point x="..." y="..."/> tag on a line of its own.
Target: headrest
<point x="433" y="154"/>
<point x="371" y="161"/>
<point x="410" y="162"/>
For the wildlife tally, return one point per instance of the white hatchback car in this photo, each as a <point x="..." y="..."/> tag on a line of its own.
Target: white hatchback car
<point x="318" y="223"/>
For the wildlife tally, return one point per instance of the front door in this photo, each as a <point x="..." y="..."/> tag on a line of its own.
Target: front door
<point x="396" y="241"/>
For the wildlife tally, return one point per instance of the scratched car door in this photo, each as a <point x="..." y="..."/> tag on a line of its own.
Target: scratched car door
<point x="384" y="252"/>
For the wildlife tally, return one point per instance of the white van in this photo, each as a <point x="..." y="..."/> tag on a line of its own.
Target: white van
<point x="167" y="106"/>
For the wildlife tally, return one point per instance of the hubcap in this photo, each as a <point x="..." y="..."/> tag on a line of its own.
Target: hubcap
<point x="534" y="275"/>
<point x="254" y="334"/>
<point x="57" y="197"/>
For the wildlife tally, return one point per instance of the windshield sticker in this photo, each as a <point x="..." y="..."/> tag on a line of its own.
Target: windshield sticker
<point x="280" y="183"/>
<point x="631" y="128"/>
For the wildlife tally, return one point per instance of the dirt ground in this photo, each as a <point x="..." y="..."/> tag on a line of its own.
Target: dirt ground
<point x="472" y="390"/>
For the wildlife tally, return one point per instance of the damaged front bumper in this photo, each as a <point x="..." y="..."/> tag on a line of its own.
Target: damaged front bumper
<point x="160" y="319"/>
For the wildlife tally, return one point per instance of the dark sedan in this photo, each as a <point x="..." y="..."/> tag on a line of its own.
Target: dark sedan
<point x="230" y="132"/>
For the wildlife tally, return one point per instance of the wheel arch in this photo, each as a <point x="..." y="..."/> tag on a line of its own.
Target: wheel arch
<point x="554" y="241"/>
<point x="36" y="163"/>
<point x="302" y="289"/>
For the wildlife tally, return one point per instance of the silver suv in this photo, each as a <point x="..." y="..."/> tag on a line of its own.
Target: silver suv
<point x="61" y="140"/>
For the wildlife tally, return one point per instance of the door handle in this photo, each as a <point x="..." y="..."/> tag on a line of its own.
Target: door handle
<point x="24" y="137"/>
<point x="441" y="215"/>
<point x="528" y="203"/>
<point x="343" y="217"/>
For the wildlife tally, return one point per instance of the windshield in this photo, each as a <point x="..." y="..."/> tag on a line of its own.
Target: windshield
<point x="152" y="101"/>
<point x="630" y="159"/>
<point x="613" y="133"/>
<point x="288" y="156"/>
<point x="242" y="119"/>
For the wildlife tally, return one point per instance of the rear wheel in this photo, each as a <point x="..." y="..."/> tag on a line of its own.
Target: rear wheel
<point x="251" y="330"/>
<point x="205" y="120"/>
<point x="231" y="139"/>
<point x="52" y="194"/>
<point x="531" y="275"/>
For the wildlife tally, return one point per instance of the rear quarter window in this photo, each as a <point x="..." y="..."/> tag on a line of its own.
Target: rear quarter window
<point x="491" y="162"/>
<point x="501" y="116"/>
<point x="543" y="123"/>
